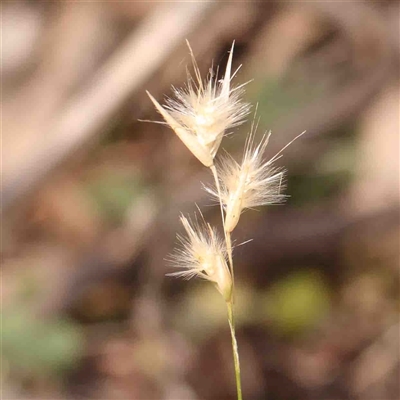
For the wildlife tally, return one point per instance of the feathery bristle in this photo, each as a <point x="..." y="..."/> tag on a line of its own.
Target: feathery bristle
<point x="252" y="183"/>
<point x="203" y="254"/>
<point x="205" y="110"/>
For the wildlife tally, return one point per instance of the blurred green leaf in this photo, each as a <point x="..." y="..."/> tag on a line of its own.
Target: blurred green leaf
<point x="113" y="193"/>
<point x="297" y="302"/>
<point x="332" y="173"/>
<point x="277" y="98"/>
<point x="37" y="347"/>
<point x="306" y="189"/>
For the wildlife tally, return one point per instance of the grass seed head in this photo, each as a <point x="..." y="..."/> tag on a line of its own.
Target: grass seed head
<point x="204" y="110"/>
<point x="253" y="182"/>
<point x="203" y="254"/>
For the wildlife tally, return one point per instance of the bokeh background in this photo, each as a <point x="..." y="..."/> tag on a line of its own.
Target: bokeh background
<point x="91" y="198"/>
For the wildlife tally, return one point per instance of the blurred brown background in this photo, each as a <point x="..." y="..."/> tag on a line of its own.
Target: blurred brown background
<point x="91" y="198"/>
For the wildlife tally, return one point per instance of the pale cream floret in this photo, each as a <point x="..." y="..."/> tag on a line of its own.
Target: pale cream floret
<point x="196" y="148"/>
<point x="202" y="112"/>
<point x="202" y="254"/>
<point x="252" y="183"/>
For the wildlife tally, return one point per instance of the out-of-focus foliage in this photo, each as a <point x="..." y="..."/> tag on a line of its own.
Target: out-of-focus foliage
<point x="33" y="348"/>
<point x="113" y="193"/>
<point x="296" y="303"/>
<point x="277" y="99"/>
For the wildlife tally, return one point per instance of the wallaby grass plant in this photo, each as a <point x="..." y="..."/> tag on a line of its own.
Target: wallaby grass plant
<point x="201" y="114"/>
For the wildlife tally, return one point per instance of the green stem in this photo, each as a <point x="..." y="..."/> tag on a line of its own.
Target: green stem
<point x="228" y="242"/>
<point x="235" y="350"/>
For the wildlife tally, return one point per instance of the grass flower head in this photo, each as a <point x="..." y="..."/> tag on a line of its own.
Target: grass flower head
<point x="202" y="254"/>
<point x="252" y="183"/>
<point x="201" y="112"/>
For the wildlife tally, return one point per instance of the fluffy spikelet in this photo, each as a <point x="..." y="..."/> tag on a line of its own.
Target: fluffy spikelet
<point x="203" y="111"/>
<point x="202" y="254"/>
<point x="254" y="182"/>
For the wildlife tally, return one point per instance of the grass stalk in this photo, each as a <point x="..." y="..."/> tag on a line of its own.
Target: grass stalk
<point x="228" y="240"/>
<point x="231" y="319"/>
<point x="235" y="350"/>
<point x="215" y="175"/>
